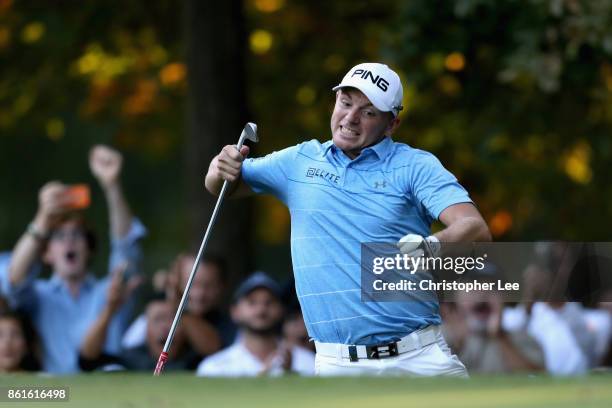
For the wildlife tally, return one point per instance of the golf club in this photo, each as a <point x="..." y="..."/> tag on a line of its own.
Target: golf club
<point x="248" y="133"/>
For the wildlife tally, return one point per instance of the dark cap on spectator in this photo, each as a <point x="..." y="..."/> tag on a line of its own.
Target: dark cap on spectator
<point x="255" y="281"/>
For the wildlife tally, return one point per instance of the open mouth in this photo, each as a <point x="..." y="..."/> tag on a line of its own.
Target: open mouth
<point x="482" y="309"/>
<point x="71" y="256"/>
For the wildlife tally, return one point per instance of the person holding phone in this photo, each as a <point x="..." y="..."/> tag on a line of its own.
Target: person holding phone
<point x="66" y="305"/>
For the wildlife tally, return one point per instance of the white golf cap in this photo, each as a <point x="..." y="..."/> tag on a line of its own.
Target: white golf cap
<point x="379" y="83"/>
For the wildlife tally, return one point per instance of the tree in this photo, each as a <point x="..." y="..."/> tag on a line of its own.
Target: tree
<point x="515" y="97"/>
<point x="216" y="115"/>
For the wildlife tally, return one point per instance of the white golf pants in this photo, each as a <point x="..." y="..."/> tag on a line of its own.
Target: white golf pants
<point x="434" y="359"/>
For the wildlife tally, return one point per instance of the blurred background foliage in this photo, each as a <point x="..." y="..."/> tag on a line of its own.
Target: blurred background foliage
<point x="514" y="96"/>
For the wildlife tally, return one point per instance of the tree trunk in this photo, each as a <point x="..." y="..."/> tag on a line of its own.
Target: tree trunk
<point x="216" y="114"/>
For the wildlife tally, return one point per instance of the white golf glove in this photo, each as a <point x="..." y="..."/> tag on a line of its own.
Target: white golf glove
<point x="416" y="245"/>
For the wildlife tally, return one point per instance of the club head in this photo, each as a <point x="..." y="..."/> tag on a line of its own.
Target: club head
<point x="250" y="131"/>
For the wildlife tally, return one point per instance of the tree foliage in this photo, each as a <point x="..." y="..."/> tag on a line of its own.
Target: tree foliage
<point x="97" y="72"/>
<point x="514" y="96"/>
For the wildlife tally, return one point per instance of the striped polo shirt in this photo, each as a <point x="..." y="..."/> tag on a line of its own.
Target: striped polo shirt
<point x="336" y="204"/>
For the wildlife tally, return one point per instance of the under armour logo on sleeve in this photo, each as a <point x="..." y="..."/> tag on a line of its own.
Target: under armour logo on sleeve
<point x="381" y="184"/>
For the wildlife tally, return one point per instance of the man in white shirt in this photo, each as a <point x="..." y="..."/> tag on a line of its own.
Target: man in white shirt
<point x="258" y="312"/>
<point x="562" y="330"/>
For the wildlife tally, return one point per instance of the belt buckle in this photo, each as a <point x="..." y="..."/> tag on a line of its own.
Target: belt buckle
<point x="382" y="351"/>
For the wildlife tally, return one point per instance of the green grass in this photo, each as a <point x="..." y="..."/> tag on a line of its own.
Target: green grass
<point x="171" y="390"/>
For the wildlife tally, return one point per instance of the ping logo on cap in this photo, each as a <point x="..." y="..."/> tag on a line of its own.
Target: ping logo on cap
<point x="378" y="80"/>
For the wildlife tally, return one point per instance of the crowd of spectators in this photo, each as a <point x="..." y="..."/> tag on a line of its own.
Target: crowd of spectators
<point x="77" y="321"/>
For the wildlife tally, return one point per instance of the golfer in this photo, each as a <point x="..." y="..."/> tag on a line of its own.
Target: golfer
<point x="360" y="187"/>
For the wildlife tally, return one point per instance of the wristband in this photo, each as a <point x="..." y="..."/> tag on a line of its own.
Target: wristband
<point x="36" y="233"/>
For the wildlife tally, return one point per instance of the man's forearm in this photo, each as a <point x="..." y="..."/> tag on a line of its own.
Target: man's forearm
<point x="214" y="184"/>
<point x="202" y="336"/>
<point x="468" y="229"/>
<point x="27" y="250"/>
<point x="119" y="211"/>
<point x="96" y="336"/>
<point x="515" y="360"/>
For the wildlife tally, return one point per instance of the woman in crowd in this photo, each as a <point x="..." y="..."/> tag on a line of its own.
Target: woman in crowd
<point x="18" y="345"/>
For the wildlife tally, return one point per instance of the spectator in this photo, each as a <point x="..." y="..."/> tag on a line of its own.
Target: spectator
<point x="475" y="332"/>
<point x="18" y="344"/>
<point x="559" y="327"/>
<point x="159" y="314"/>
<point x="63" y="307"/>
<point x="5" y="258"/>
<point x="207" y="326"/>
<point x="553" y="325"/>
<point x="4" y="306"/>
<point x="258" y="312"/>
<point x="482" y="344"/>
<point x="605" y="305"/>
<point x="294" y="327"/>
<point x="294" y="331"/>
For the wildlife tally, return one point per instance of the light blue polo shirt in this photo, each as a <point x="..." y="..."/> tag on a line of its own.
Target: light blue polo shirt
<point x="336" y="204"/>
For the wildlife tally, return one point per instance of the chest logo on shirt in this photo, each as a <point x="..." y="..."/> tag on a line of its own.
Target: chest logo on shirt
<point x="319" y="173"/>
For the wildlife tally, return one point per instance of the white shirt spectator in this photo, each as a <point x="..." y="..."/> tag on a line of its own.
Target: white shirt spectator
<point x="136" y="334"/>
<point x="237" y="361"/>
<point x="554" y="330"/>
<point x="599" y="324"/>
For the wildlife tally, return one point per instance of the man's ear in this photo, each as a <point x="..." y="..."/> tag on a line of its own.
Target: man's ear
<point x="393" y="124"/>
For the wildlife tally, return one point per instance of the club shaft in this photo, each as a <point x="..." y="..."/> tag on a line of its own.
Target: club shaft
<point x="185" y="297"/>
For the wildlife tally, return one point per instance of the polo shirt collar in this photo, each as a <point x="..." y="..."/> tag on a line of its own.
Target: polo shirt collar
<point x="329" y="145"/>
<point x="57" y="283"/>
<point x="381" y="149"/>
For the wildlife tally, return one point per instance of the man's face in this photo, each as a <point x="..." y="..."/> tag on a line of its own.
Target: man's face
<point x="67" y="251"/>
<point x="478" y="307"/>
<point x="159" y="315"/>
<point x="295" y="334"/>
<point x="207" y="288"/>
<point x="356" y="123"/>
<point x="12" y="345"/>
<point x="259" y="312"/>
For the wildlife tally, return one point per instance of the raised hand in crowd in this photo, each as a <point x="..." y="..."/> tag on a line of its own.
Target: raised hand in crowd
<point x="106" y="164"/>
<point x="118" y="292"/>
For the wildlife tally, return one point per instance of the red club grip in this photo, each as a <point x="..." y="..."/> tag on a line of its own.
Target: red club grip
<point x="163" y="357"/>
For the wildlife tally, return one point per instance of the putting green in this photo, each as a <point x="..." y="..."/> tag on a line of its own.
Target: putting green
<point x="172" y="390"/>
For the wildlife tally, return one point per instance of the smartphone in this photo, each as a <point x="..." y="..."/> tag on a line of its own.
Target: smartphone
<point x="78" y="196"/>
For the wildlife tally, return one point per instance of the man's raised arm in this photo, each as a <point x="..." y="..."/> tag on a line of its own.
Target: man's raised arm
<point x="105" y="164"/>
<point x="51" y="203"/>
<point x="227" y="165"/>
<point x="126" y="231"/>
